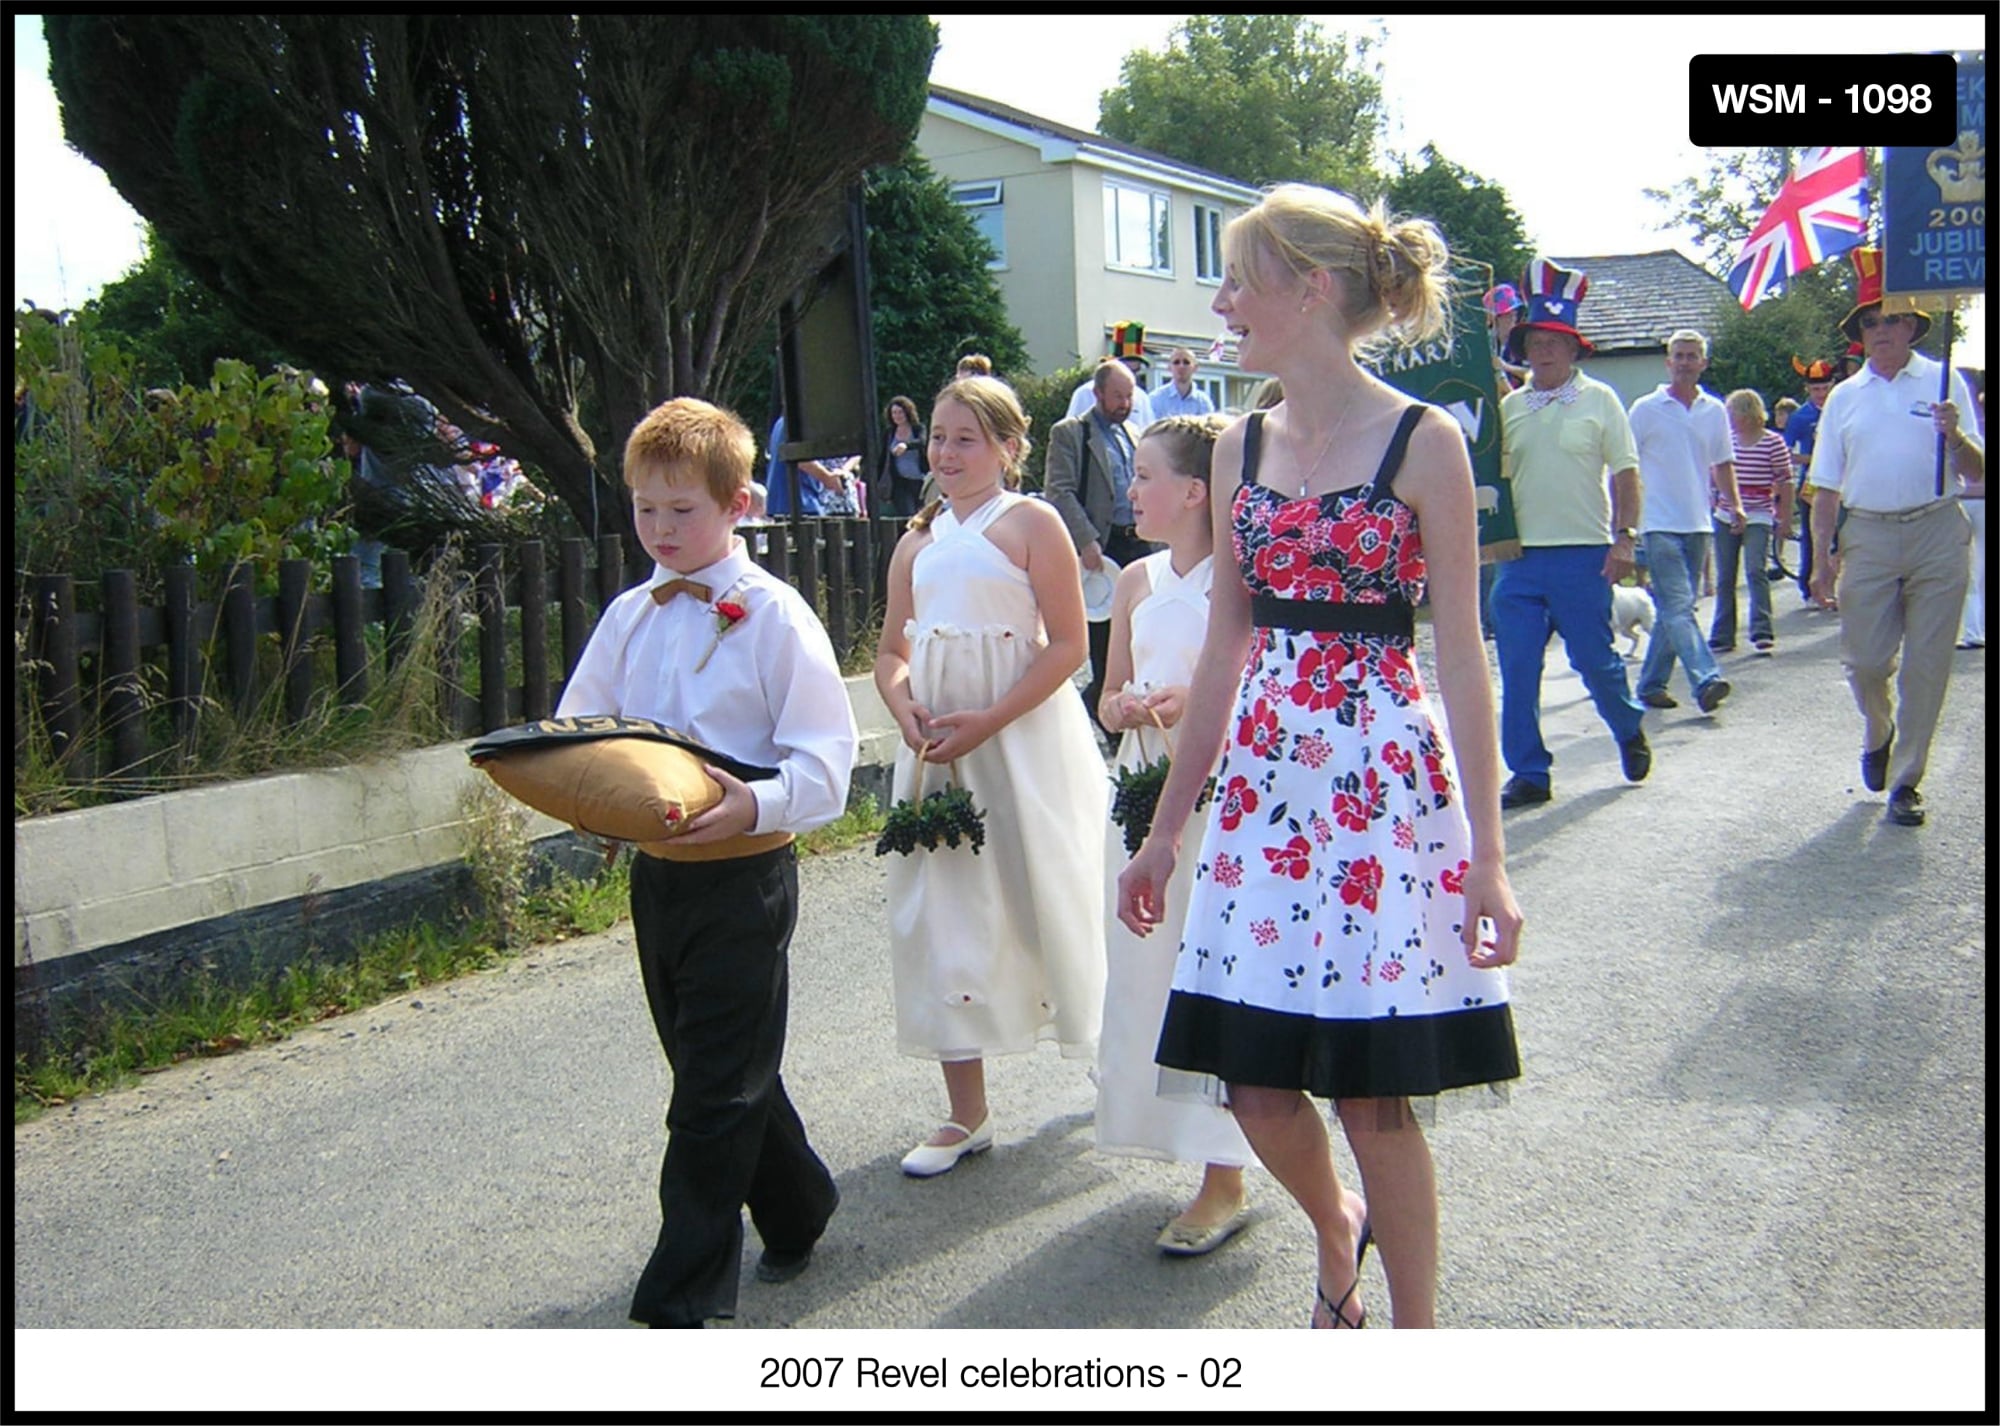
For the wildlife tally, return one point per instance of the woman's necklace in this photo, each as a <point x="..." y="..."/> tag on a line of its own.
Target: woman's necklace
<point x="1306" y="472"/>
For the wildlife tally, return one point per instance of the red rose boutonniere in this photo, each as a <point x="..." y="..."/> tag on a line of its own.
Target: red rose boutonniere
<point x="728" y="614"/>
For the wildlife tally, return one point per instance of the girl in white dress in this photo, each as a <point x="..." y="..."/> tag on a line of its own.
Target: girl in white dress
<point x="998" y="949"/>
<point x="1159" y="616"/>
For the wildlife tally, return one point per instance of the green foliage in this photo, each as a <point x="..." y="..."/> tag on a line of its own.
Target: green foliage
<point x="1260" y="98"/>
<point x="85" y="450"/>
<point x="933" y="296"/>
<point x="861" y="822"/>
<point x="110" y="476"/>
<point x="175" y="328"/>
<point x="252" y="475"/>
<point x="1046" y="400"/>
<point x="1477" y="218"/>
<point x="545" y="223"/>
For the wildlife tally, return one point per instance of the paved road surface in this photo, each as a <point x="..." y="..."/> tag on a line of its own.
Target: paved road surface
<point x="1750" y="1013"/>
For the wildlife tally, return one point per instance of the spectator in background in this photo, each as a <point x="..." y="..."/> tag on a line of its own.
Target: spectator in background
<point x="1180" y="396"/>
<point x="1085" y="396"/>
<point x="1088" y="478"/>
<point x="898" y="485"/>
<point x="973" y="364"/>
<point x="1764" y="487"/>
<point x="815" y="481"/>
<point x="1972" y="626"/>
<point x="1800" y="433"/>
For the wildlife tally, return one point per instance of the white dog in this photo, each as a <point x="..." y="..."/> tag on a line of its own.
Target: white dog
<point x="1632" y="610"/>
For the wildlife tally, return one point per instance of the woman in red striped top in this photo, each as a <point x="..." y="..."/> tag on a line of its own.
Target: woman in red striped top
<point x="1764" y="484"/>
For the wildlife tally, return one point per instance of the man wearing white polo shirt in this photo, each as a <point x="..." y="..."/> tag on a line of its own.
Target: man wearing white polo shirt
<point x="1682" y="434"/>
<point x="1899" y="579"/>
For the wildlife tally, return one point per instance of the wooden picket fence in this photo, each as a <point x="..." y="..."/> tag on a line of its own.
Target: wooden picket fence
<point x="82" y="671"/>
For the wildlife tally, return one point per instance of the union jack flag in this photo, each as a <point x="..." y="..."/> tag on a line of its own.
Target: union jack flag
<point x="1821" y="212"/>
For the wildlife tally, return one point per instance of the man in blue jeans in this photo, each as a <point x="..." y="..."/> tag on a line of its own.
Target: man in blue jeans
<point x="1682" y="435"/>
<point x="1560" y="435"/>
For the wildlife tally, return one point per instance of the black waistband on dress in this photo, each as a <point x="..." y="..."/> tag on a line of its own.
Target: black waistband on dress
<point x="1394" y="617"/>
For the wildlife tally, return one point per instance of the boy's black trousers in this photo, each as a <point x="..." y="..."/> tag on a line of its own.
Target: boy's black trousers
<point x="713" y="938"/>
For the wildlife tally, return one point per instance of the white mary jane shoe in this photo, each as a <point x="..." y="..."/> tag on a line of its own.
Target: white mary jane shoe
<point x="930" y="1160"/>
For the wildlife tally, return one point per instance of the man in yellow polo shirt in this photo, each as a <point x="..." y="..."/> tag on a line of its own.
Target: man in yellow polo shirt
<point x="1561" y="433"/>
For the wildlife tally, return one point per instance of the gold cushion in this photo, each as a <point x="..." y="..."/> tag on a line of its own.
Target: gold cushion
<point x="627" y="779"/>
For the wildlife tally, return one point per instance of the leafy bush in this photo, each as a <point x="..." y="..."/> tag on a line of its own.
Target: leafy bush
<point x="109" y="476"/>
<point x="1046" y="400"/>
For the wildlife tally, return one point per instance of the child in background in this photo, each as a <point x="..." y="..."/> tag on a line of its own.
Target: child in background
<point x="713" y="909"/>
<point x="1159" y="616"/>
<point x="996" y="949"/>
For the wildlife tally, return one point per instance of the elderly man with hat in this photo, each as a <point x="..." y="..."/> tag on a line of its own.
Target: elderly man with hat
<point x="1801" y="432"/>
<point x="1574" y="471"/>
<point x="1899" y="578"/>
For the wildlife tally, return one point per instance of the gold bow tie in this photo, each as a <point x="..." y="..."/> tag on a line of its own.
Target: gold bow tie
<point x="663" y="592"/>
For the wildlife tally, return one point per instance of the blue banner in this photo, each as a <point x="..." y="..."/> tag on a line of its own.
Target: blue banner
<point x="1934" y="207"/>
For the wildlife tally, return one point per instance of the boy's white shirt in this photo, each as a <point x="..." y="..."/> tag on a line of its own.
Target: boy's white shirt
<point x="770" y="694"/>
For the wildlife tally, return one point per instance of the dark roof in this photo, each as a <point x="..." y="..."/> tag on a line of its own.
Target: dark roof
<point x="1007" y="113"/>
<point x="1634" y="301"/>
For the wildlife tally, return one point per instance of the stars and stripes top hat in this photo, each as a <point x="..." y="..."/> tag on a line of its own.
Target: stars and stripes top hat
<point x="1554" y="294"/>
<point x="1868" y="294"/>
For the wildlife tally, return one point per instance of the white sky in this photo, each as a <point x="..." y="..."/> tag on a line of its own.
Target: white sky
<point x="1611" y="90"/>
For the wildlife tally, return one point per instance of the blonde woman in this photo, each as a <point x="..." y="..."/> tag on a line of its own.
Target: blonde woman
<point x="1351" y="911"/>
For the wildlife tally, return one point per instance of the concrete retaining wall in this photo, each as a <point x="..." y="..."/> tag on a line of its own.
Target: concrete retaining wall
<point x="181" y="874"/>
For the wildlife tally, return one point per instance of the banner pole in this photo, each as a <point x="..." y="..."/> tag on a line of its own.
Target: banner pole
<point x="1944" y="382"/>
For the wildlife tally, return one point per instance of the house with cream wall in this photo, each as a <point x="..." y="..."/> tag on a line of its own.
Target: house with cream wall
<point x="1091" y="232"/>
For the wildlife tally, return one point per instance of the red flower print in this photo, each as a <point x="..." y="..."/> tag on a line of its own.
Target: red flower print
<point x="1294" y="515"/>
<point x="1280" y="563"/>
<point x="1440" y="784"/>
<point x="1322" y="829"/>
<point x="1361" y="882"/>
<point x="1359" y="801"/>
<point x="1410" y="567"/>
<point x="1258" y="731"/>
<point x="1452" y="879"/>
<point x="1266" y="931"/>
<point x="1294" y="859"/>
<point x="1392" y="971"/>
<point x="1312" y="750"/>
<point x="1239" y="800"/>
<point x="1319" y="688"/>
<point x="1400" y="675"/>
<point x="1399" y="760"/>
<point x="1228" y="871"/>
<point x="1364" y="541"/>
<point x="1320" y="582"/>
<point x="1406" y="835"/>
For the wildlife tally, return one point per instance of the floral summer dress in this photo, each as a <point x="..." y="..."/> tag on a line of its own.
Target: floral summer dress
<point x="1321" y="949"/>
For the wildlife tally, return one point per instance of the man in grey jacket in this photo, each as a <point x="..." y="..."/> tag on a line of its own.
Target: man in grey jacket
<point x="1087" y="478"/>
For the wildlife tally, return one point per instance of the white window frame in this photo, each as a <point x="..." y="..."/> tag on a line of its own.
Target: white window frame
<point x="1159" y="234"/>
<point x="984" y="195"/>
<point x="1208" y="248"/>
<point x="1215" y="386"/>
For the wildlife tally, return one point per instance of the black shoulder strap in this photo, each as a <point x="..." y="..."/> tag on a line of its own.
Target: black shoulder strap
<point x="1253" y="432"/>
<point x="1399" y="444"/>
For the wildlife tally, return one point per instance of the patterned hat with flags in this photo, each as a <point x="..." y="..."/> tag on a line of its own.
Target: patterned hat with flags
<point x="1554" y="294"/>
<point x="1818" y="369"/>
<point x="1868" y="293"/>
